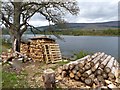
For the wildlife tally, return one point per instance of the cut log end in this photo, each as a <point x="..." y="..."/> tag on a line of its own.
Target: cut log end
<point x="98" y="72"/>
<point x="64" y="74"/>
<point x="105" y="76"/>
<point x="87" y="67"/>
<point x="102" y="66"/>
<point x="71" y="75"/>
<point x="107" y="70"/>
<point x="111" y="76"/>
<point x="88" y="81"/>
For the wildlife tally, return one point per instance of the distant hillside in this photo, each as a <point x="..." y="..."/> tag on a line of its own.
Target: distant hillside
<point x="77" y="26"/>
<point x="97" y="26"/>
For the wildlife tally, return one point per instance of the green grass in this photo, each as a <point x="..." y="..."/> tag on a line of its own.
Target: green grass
<point x="82" y="54"/>
<point x="62" y="62"/>
<point x="4" y="46"/>
<point x="12" y="80"/>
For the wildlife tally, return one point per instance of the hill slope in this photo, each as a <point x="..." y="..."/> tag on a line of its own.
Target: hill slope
<point x="97" y="26"/>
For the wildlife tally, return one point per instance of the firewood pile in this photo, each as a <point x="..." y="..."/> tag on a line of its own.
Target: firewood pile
<point x="42" y="49"/>
<point x="95" y="70"/>
<point x="11" y="56"/>
<point x="36" y="50"/>
<point x="24" y="48"/>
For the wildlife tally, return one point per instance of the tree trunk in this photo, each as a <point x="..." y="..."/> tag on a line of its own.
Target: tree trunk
<point x="16" y="44"/>
<point x="18" y="41"/>
<point x="16" y="28"/>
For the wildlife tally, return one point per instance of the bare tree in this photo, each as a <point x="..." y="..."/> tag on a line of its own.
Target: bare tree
<point x="15" y="15"/>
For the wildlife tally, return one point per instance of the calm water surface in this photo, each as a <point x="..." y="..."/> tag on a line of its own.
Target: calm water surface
<point x="74" y="44"/>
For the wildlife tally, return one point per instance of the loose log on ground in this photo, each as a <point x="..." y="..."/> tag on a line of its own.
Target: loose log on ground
<point x="60" y="70"/>
<point x="79" y="60"/>
<point x="85" y="75"/>
<point x="78" y="74"/>
<point x="81" y="70"/>
<point x="105" y="62"/>
<point x="71" y="75"/>
<point x="92" y="76"/>
<point x="107" y="69"/>
<point x="74" y="71"/>
<point x="98" y="72"/>
<point x="82" y="79"/>
<point x="105" y="75"/>
<point x="89" y="72"/>
<point x="64" y="74"/>
<point x="76" y="77"/>
<point x="88" y="81"/>
<point x="71" y="66"/>
<point x="100" y="79"/>
<point x="103" y="58"/>
<point x="95" y="55"/>
<point x="77" y="67"/>
<point x="81" y="64"/>
<point x="111" y="76"/>
<point x="109" y="66"/>
<point x="87" y="66"/>
<point x="95" y="60"/>
<point x="95" y="67"/>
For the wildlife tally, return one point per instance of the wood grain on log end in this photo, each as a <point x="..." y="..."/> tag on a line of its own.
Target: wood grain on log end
<point x="107" y="69"/>
<point x="78" y="74"/>
<point x="98" y="72"/>
<point x="87" y="67"/>
<point x="88" y="81"/>
<point x="102" y="66"/>
<point x="105" y="75"/>
<point x="71" y="75"/>
<point x="64" y="74"/>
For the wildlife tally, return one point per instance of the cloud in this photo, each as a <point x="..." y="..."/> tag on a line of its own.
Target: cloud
<point x="96" y="12"/>
<point x="90" y="11"/>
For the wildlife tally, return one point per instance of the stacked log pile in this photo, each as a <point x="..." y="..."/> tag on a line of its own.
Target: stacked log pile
<point x="42" y="49"/>
<point x="36" y="50"/>
<point x="94" y="71"/>
<point x="24" y="48"/>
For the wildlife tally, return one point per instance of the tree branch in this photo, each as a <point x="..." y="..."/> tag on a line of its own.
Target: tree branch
<point x="33" y="27"/>
<point x="6" y="20"/>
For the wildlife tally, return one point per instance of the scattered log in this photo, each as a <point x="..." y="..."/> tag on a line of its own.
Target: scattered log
<point x="71" y="75"/>
<point x="71" y="66"/>
<point x="64" y="74"/>
<point x="88" y="81"/>
<point x="60" y="69"/>
<point x="87" y="66"/>
<point x="99" y="72"/>
<point x="78" y="74"/>
<point x="76" y="77"/>
<point x="74" y="71"/>
<point x="111" y="76"/>
<point x="105" y="75"/>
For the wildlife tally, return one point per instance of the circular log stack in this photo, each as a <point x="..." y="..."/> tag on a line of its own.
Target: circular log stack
<point x="96" y="70"/>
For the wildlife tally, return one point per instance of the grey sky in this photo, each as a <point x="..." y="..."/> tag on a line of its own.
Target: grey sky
<point x="90" y="11"/>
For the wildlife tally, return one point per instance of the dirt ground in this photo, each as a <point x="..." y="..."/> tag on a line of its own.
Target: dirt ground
<point x="34" y="71"/>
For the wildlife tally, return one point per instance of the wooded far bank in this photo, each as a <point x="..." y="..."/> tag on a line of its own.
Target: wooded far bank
<point x="75" y="32"/>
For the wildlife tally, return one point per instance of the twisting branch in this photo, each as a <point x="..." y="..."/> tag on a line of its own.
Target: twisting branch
<point x="32" y="31"/>
<point x="33" y="27"/>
